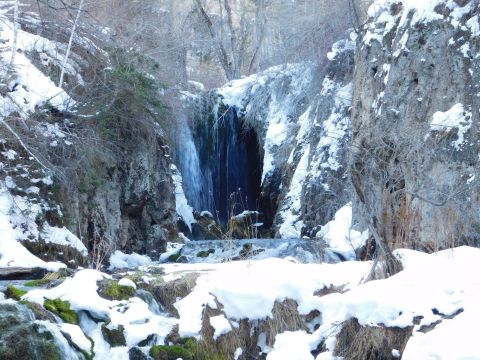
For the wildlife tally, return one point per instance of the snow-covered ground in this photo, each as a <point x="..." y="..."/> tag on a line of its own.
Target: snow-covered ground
<point x="438" y="290"/>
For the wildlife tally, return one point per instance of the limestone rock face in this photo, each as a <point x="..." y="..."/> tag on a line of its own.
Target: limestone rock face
<point x="415" y="124"/>
<point x="134" y="205"/>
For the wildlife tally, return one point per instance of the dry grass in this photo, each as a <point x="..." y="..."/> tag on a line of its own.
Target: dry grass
<point x="285" y="317"/>
<point x="168" y="293"/>
<point x="370" y="343"/>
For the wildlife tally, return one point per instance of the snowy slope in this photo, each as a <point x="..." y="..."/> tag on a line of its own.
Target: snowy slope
<point x="432" y="288"/>
<point x="28" y="89"/>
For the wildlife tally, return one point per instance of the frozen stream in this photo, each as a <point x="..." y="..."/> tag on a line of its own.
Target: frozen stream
<point x="216" y="251"/>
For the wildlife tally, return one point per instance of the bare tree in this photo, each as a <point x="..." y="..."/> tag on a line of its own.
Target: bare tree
<point x="69" y="46"/>
<point x="15" y="35"/>
<point x="232" y="43"/>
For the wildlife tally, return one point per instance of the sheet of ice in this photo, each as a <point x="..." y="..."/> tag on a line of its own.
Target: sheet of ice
<point x="278" y="120"/>
<point x="65" y="350"/>
<point x="184" y="210"/>
<point x="120" y="260"/>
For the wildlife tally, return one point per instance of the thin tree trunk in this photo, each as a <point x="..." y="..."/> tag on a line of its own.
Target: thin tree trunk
<point x="233" y="40"/>
<point x="261" y="21"/>
<point x="222" y="53"/>
<point x="15" y="36"/>
<point x="69" y="47"/>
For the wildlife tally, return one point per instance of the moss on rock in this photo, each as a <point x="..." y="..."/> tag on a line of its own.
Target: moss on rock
<point x="14" y="292"/>
<point x="174" y="352"/>
<point x="111" y="290"/>
<point x="114" y="337"/>
<point x="21" y="338"/>
<point x="205" y="253"/>
<point x="62" y="309"/>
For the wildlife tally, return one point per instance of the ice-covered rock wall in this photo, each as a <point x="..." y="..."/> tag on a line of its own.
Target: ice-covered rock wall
<point x="281" y="136"/>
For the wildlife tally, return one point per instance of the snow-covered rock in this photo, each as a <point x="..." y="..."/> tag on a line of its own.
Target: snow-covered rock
<point x="414" y="110"/>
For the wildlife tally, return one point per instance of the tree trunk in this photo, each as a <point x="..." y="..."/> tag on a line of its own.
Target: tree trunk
<point x="69" y="47"/>
<point x="15" y="36"/>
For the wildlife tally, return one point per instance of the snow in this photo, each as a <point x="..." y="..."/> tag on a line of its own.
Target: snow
<point x="454" y="118"/>
<point x="221" y="326"/>
<point x="249" y="289"/>
<point x="423" y="9"/>
<point x="9" y="154"/>
<point x="133" y="314"/>
<point x="442" y="281"/>
<point x="77" y="336"/>
<point x="336" y="126"/>
<point x="292" y="345"/>
<point x="412" y="13"/>
<point x="396" y="354"/>
<point x="127" y="282"/>
<point x="80" y="291"/>
<point x="12" y="252"/>
<point x="339" y="235"/>
<point x="291" y="227"/>
<point x="29" y="87"/>
<point x="62" y="236"/>
<point x="238" y="353"/>
<point x="341" y="46"/>
<point x="119" y="260"/>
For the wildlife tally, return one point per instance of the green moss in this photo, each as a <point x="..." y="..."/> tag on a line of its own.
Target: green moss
<point x="115" y="336"/>
<point x="62" y="309"/>
<point x="174" y="257"/>
<point x="201" y="350"/>
<point x="14" y="292"/>
<point x="38" y="283"/>
<point x="174" y="352"/>
<point x="204" y="253"/>
<point x="111" y="290"/>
